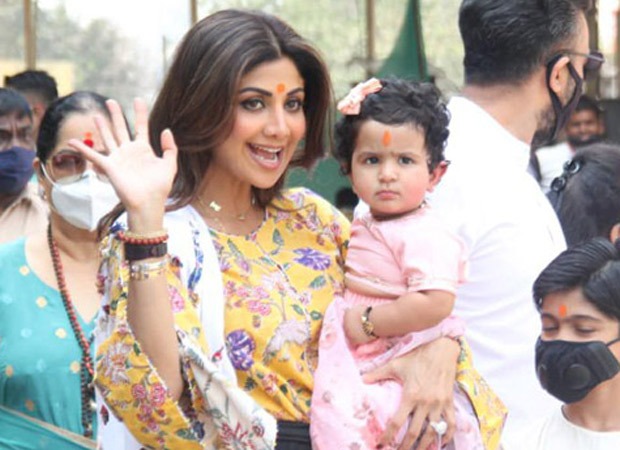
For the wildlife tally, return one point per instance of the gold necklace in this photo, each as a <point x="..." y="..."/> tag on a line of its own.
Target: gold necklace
<point x="215" y="207"/>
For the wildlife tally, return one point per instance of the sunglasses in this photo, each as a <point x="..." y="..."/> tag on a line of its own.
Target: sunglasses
<point x="68" y="166"/>
<point x="570" y="168"/>
<point x="594" y="60"/>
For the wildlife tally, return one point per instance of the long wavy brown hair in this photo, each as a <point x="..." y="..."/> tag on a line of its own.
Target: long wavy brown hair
<point x="197" y="100"/>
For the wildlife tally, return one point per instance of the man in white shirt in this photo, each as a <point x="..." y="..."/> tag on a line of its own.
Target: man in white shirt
<point x="524" y="65"/>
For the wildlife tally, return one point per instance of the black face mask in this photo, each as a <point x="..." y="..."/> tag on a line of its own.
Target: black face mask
<point x="570" y="370"/>
<point x="576" y="142"/>
<point x="562" y="113"/>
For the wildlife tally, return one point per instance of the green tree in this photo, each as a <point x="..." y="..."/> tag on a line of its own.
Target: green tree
<point x="104" y="60"/>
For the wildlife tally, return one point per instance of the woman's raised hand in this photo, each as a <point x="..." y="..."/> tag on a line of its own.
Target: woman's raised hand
<point x="141" y="179"/>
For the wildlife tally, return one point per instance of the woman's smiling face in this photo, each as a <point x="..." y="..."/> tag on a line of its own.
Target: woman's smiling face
<point x="269" y="123"/>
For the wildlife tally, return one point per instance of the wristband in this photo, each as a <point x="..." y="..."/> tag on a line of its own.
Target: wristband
<point x="136" y="252"/>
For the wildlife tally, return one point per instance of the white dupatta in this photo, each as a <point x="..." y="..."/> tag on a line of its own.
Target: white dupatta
<point x="190" y="242"/>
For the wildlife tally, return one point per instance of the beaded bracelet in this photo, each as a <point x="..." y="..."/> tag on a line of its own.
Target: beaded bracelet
<point x="153" y="238"/>
<point x="145" y="270"/>
<point x="136" y="252"/>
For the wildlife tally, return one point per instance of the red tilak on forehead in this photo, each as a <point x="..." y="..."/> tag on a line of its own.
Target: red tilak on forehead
<point x="280" y="88"/>
<point x="88" y="139"/>
<point x="562" y="311"/>
<point x="387" y="138"/>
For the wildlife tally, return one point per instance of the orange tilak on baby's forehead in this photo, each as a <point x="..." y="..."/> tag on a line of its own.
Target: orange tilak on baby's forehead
<point x="281" y="87"/>
<point x="562" y="311"/>
<point x="387" y="138"/>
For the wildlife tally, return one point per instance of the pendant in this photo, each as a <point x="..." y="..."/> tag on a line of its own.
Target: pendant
<point x="215" y="206"/>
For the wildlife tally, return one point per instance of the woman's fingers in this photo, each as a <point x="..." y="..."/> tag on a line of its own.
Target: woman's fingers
<point x="392" y="427"/>
<point x="442" y="417"/>
<point x="450" y="418"/>
<point x="169" y="149"/>
<point x="99" y="160"/>
<point x="418" y="417"/>
<point x="381" y="373"/>
<point x="168" y="145"/>
<point x="118" y="122"/>
<point x="430" y="435"/>
<point x="109" y="141"/>
<point x="142" y="119"/>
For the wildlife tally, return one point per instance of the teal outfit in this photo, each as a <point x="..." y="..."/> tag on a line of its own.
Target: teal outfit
<point x="39" y="356"/>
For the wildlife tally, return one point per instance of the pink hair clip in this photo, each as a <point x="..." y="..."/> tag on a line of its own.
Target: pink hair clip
<point x="351" y="104"/>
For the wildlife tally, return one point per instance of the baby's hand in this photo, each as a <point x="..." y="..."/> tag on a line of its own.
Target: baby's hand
<point x="353" y="326"/>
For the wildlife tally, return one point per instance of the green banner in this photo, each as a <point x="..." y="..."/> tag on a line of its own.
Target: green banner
<point x="408" y="59"/>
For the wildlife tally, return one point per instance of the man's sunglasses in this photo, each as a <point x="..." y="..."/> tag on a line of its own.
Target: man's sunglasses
<point x="594" y="60"/>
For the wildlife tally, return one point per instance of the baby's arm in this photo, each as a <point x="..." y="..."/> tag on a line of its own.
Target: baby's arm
<point x="413" y="311"/>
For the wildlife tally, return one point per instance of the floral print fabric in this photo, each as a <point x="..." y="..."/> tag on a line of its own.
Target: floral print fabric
<point x="277" y="283"/>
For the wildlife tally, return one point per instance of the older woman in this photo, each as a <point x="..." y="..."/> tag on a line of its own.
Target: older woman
<point x="48" y="295"/>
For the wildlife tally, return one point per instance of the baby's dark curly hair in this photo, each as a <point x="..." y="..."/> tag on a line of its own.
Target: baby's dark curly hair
<point x="399" y="102"/>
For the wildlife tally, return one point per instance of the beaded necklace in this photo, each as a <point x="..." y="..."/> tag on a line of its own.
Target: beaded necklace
<point x="86" y="367"/>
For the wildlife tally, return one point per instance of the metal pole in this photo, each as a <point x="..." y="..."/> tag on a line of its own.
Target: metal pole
<point x="370" y="38"/>
<point x="193" y="8"/>
<point x="616" y="78"/>
<point x="593" y="86"/>
<point x="30" y="41"/>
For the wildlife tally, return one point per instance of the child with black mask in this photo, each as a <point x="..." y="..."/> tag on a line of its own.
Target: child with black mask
<point x="578" y="351"/>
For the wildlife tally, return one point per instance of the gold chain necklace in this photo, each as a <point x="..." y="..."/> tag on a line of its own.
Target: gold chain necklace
<point x="216" y="208"/>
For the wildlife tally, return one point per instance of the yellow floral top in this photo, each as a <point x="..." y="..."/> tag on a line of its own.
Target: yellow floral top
<point x="277" y="283"/>
<point x="276" y="293"/>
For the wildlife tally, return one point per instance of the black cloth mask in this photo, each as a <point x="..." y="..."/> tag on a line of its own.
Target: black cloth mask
<point x="576" y="142"/>
<point x="15" y="169"/>
<point x="570" y="370"/>
<point x="563" y="113"/>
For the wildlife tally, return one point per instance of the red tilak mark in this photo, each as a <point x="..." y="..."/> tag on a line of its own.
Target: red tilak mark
<point x="88" y="140"/>
<point x="280" y="88"/>
<point x="562" y="311"/>
<point x="387" y="138"/>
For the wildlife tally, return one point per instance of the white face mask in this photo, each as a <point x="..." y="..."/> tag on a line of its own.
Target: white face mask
<point x="84" y="202"/>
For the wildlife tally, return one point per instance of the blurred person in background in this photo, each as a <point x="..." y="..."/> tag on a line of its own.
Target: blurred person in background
<point x="21" y="209"/>
<point x="585" y="126"/>
<point x="38" y="87"/>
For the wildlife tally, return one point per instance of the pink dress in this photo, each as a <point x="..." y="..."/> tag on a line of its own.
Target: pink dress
<point x="412" y="253"/>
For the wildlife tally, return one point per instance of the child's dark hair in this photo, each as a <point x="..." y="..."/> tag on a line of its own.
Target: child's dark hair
<point x="593" y="266"/>
<point x="586" y="197"/>
<point x="399" y="102"/>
